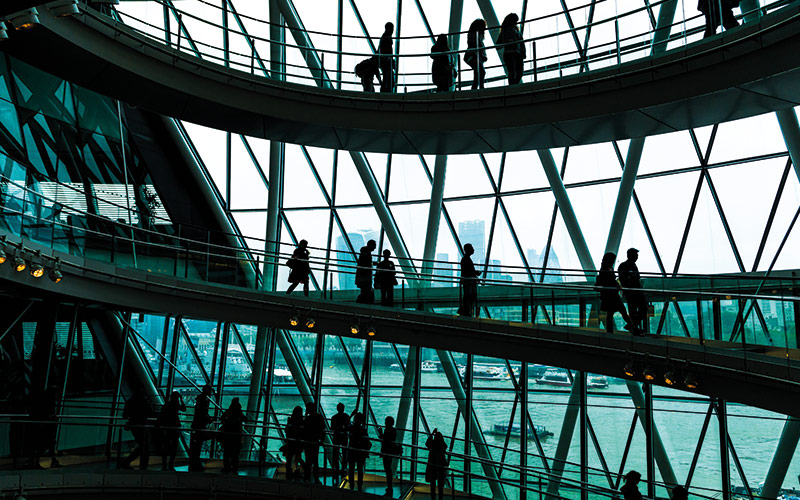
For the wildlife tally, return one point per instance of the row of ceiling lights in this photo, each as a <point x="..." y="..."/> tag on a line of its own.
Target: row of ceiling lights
<point x="648" y="373"/>
<point x="310" y="323"/>
<point x="672" y="376"/>
<point x="36" y="263"/>
<point x="29" y="18"/>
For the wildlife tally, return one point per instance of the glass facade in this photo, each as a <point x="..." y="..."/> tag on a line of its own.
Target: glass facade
<point x="717" y="199"/>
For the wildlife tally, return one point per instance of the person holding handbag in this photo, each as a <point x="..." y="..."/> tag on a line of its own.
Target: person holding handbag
<point x="609" y="293"/>
<point x="300" y="268"/>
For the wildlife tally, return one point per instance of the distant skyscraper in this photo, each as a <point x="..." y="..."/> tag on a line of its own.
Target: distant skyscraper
<point x="536" y="260"/>
<point x="347" y="278"/>
<point x="443" y="271"/>
<point x="473" y="231"/>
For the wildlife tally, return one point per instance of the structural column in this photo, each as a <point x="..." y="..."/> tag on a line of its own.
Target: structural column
<point x="567" y="213"/>
<point x="624" y="194"/>
<point x="787" y="446"/>
<point x="434" y="217"/>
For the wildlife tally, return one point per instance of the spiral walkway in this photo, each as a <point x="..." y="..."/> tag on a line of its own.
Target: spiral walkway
<point x="743" y="72"/>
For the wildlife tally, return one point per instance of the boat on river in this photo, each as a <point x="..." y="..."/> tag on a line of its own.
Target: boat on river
<point x="502" y="430"/>
<point x="560" y="378"/>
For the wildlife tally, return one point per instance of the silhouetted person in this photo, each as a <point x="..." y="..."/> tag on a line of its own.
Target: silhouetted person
<point x="359" y="451"/>
<point x="232" y="428"/>
<point x="609" y="293"/>
<point x="300" y="268"/>
<point x="200" y="422"/>
<point x="169" y="423"/>
<point x="386" y="279"/>
<point x="680" y="493"/>
<point x="629" y="490"/>
<point x="631" y="283"/>
<point x="366" y="71"/>
<point x="386" y="58"/>
<point x="475" y="57"/>
<point x="513" y="48"/>
<point x="313" y="434"/>
<point x="340" y="424"/>
<point x="436" y="471"/>
<point x="716" y="11"/>
<point x="364" y="274"/>
<point x="137" y="411"/>
<point x="293" y="446"/>
<point x="442" y="70"/>
<point x="469" y="282"/>
<point x="389" y="449"/>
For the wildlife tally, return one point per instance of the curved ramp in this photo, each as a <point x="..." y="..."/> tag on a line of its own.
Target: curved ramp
<point x="743" y="72"/>
<point x="757" y="377"/>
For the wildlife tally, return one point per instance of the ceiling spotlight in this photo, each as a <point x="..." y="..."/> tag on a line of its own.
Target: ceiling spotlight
<point x="55" y="273"/>
<point x="24" y="19"/>
<point x="310" y="322"/>
<point x="690" y="381"/>
<point x="37" y="270"/>
<point x="648" y="374"/>
<point x="61" y="8"/>
<point x="670" y="378"/>
<point x="354" y="329"/>
<point x="371" y="331"/>
<point x="293" y="320"/>
<point x="19" y="264"/>
<point x="3" y="256"/>
<point x="630" y="369"/>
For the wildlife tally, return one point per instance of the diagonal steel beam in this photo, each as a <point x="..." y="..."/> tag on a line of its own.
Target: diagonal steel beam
<point x="784" y="451"/>
<point x="471" y="420"/>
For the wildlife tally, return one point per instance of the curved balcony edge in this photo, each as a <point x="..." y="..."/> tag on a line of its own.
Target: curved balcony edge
<point x="747" y="71"/>
<point x="724" y="369"/>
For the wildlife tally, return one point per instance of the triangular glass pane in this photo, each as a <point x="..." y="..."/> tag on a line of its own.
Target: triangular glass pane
<point x="361" y="225"/>
<point x="253" y="225"/>
<point x="530" y="217"/>
<point x="447" y="256"/>
<point x="679" y="421"/>
<point x="667" y="226"/>
<point x="412" y="219"/>
<point x="341" y="262"/>
<point x="378" y="163"/>
<point x="562" y="256"/>
<point x="708" y="250"/>
<point x="310" y="225"/>
<point x="505" y="263"/>
<point x="729" y="143"/>
<point x="202" y="335"/>
<point x="349" y="187"/>
<point x="211" y="146"/>
<point x="748" y="446"/>
<point x="784" y="214"/>
<point x="466" y="176"/>
<point x="248" y="190"/>
<point x="746" y="193"/>
<point x="356" y="48"/>
<point x="594" y="208"/>
<point x="634" y="236"/>
<point x="523" y="170"/>
<point x="472" y="220"/>
<point x="300" y="187"/>
<point x="260" y="149"/>
<point x="708" y="472"/>
<point x="323" y="161"/>
<point x="666" y="152"/>
<point x="409" y="181"/>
